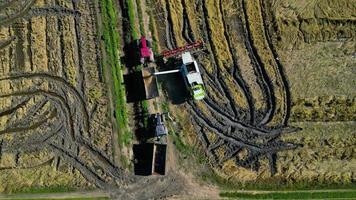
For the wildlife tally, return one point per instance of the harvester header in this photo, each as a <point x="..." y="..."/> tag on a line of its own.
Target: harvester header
<point x="180" y="50"/>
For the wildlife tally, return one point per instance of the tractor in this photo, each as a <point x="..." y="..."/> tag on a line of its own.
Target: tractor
<point x="146" y="53"/>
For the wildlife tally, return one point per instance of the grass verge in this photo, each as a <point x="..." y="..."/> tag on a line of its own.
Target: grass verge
<point x="272" y="184"/>
<point x="112" y="46"/>
<point x="132" y="19"/>
<point x="140" y="17"/>
<point x="41" y="190"/>
<point x="292" y="195"/>
<point x="134" y="33"/>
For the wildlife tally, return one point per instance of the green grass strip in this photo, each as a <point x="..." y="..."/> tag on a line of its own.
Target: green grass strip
<point x="140" y="17"/>
<point x="112" y="46"/>
<point x="134" y="32"/>
<point x="132" y="19"/>
<point x="153" y="31"/>
<point x="292" y="195"/>
<point x="272" y="184"/>
<point x="41" y="190"/>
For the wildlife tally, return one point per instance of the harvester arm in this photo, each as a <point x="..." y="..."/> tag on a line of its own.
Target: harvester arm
<point x="166" y="72"/>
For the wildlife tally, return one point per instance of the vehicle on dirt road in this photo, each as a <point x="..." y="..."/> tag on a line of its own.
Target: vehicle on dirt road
<point x="161" y="129"/>
<point x="145" y="50"/>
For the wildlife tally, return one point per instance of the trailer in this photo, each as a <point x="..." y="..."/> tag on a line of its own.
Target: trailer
<point x="150" y="159"/>
<point x="159" y="159"/>
<point x="143" y="158"/>
<point x="150" y="83"/>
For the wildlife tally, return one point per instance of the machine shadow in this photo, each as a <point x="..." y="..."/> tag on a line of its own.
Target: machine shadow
<point x="173" y="84"/>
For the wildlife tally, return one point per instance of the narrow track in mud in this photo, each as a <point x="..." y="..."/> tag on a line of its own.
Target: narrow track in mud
<point x="282" y="75"/>
<point x="18" y="13"/>
<point x="264" y="80"/>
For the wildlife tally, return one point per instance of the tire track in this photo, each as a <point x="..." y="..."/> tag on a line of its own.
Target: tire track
<point x="35" y="125"/>
<point x="4" y="44"/>
<point x="170" y="39"/>
<point x="225" y="91"/>
<point x="235" y="133"/>
<point x="20" y="13"/>
<point x="265" y="148"/>
<point x="35" y="144"/>
<point x="61" y="116"/>
<point x="81" y="78"/>
<point x="237" y="124"/>
<point x="74" y="126"/>
<point x="56" y="10"/>
<point x="65" y="107"/>
<point x="48" y="162"/>
<point x="280" y="70"/>
<point x="236" y="72"/>
<point x="4" y="5"/>
<point x="187" y="31"/>
<point x="58" y="81"/>
<point x="261" y="72"/>
<point x="29" y="40"/>
<point x="88" y="173"/>
<point x="189" y="37"/>
<point x="108" y="166"/>
<point x="37" y="139"/>
<point x="13" y="108"/>
<point x="31" y="114"/>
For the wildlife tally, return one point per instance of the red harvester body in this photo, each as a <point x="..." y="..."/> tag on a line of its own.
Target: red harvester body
<point x="145" y="51"/>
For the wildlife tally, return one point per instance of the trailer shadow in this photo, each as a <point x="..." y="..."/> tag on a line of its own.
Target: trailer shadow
<point x="143" y="156"/>
<point x="132" y="55"/>
<point x="135" y="89"/>
<point x="173" y="84"/>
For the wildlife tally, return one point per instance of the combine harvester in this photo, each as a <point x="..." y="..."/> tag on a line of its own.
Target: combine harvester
<point x="191" y="74"/>
<point x="189" y="70"/>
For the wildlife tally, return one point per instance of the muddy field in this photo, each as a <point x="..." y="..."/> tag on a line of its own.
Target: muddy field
<point x="280" y="102"/>
<point x="57" y="127"/>
<point x="55" y="123"/>
<point x="268" y="63"/>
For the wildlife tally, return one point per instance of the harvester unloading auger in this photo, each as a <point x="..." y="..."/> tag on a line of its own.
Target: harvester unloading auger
<point x="189" y="70"/>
